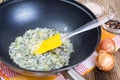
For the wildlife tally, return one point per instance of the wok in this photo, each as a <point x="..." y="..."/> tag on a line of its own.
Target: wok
<point x="17" y="16"/>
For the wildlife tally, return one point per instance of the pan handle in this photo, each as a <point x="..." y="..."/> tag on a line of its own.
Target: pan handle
<point x="75" y="75"/>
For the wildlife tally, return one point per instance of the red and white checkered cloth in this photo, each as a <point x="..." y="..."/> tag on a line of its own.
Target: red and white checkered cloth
<point x="7" y="71"/>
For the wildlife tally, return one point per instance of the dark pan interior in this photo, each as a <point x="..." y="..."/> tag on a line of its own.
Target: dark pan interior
<point x="20" y="15"/>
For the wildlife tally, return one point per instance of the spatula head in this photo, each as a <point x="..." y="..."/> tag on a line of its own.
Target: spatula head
<point x="48" y="44"/>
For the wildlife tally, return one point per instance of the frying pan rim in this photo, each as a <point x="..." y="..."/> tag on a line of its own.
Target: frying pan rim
<point x="74" y="3"/>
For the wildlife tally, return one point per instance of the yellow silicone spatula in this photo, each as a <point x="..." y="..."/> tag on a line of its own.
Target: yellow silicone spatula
<point x="56" y="40"/>
<point x="48" y="44"/>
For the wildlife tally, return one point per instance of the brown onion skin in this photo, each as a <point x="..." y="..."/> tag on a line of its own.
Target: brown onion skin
<point x="107" y="45"/>
<point x="105" y="61"/>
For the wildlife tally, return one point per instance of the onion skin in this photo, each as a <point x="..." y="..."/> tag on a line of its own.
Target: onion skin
<point x="105" y="61"/>
<point x="107" y="45"/>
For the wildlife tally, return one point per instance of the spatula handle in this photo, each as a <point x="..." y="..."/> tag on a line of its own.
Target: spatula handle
<point x="90" y="25"/>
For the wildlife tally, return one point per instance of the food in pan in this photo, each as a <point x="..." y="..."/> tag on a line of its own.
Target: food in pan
<point x="21" y="51"/>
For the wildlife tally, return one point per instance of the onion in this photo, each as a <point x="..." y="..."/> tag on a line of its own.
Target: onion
<point x="105" y="61"/>
<point x="108" y="45"/>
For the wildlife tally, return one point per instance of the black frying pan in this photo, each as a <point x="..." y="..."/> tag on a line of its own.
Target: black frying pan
<point x="20" y="15"/>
